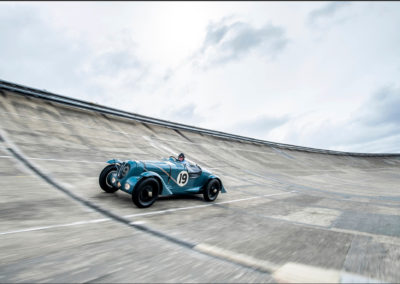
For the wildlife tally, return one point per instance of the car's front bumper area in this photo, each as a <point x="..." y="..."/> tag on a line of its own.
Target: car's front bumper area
<point x="124" y="184"/>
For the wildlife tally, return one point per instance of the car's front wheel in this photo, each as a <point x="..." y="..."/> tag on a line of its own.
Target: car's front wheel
<point x="105" y="179"/>
<point x="211" y="190"/>
<point x="146" y="193"/>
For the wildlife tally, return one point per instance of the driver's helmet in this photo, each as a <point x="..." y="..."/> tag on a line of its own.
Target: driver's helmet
<point x="181" y="157"/>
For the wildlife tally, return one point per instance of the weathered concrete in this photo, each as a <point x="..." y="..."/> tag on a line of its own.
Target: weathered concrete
<point x="323" y="212"/>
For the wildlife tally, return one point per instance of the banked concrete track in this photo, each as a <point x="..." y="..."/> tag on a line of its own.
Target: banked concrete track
<point x="291" y="214"/>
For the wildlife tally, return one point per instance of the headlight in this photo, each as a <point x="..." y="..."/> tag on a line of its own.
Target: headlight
<point x="113" y="180"/>
<point x="127" y="186"/>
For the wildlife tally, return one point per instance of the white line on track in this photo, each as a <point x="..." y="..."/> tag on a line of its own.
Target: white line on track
<point x="167" y="211"/>
<point x="137" y="215"/>
<point x="255" y="197"/>
<point x="55" y="160"/>
<point x="59" y="160"/>
<point x="56" y="226"/>
<point x="205" y="205"/>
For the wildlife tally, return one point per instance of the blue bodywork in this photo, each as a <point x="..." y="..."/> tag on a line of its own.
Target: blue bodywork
<point x="174" y="177"/>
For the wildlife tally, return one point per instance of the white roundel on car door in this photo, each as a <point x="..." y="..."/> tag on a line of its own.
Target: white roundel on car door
<point x="182" y="178"/>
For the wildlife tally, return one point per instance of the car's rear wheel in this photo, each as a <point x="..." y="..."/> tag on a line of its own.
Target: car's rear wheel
<point x="105" y="179"/>
<point x="146" y="193"/>
<point x="212" y="190"/>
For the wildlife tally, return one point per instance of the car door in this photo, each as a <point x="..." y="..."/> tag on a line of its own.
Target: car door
<point x="194" y="175"/>
<point x="179" y="178"/>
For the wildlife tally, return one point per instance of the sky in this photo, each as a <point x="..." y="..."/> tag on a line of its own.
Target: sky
<point x="316" y="74"/>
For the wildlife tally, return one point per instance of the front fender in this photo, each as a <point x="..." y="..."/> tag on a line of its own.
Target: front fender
<point x="165" y="190"/>
<point x="114" y="161"/>
<point x="223" y="190"/>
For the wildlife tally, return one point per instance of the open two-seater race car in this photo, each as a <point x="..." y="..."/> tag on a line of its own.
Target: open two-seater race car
<point x="146" y="180"/>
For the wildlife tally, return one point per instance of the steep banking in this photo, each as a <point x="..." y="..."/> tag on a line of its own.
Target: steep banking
<point x="47" y="130"/>
<point x="284" y="205"/>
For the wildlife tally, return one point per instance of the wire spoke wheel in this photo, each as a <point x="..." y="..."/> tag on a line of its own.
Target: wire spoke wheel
<point x="146" y="193"/>
<point x="105" y="179"/>
<point x="108" y="178"/>
<point x="212" y="190"/>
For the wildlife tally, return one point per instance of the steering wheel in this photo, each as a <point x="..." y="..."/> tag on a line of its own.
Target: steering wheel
<point x="173" y="158"/>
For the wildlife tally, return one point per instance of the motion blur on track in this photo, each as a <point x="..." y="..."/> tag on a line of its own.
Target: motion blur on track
<point x="290" y="215"/>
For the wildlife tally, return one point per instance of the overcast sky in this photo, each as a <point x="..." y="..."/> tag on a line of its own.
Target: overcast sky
<point x="316" y="74"/>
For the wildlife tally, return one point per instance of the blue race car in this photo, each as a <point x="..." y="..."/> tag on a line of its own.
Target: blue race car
<point x="146" y="180"/>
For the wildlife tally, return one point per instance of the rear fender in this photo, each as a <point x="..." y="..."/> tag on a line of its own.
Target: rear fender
<point x="223" y="190"/>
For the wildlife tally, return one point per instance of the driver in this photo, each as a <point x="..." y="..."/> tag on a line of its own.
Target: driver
<point x="190" y="167"/>
<point x="181" y="157"/>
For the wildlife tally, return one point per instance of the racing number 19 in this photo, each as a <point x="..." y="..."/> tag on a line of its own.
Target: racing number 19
<point x="182" y="178"/>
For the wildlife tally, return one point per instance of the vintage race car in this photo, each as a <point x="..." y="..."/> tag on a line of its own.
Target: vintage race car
<point x="147" y="180"/>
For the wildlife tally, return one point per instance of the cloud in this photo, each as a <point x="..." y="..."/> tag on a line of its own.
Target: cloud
<point x="327" y="11"/>
<point x="379" y="119"/>
<point x="116" y="70"/>
<point x="185" y="114"/>
<point x="260" y="125"/>
<point x="35" y="54"/>
<point x="215" y="33"/>
<point x="117" y="64"/>
<point x="383" y="108"/>
<point x="25" y="36"/>
<point x="112" y="62"/>
<point x="118" y="61"/>
<point x="374" y="127"/>
<point x="225" y="42"/>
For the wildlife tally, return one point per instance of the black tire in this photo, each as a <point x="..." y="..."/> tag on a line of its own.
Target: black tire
<point x="146" y="193"/>
<point x="212" y="190"/>
<point x="103" y="179"/>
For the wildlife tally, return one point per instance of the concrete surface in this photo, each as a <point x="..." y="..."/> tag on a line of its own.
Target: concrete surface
<point x="288" y="216"/>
